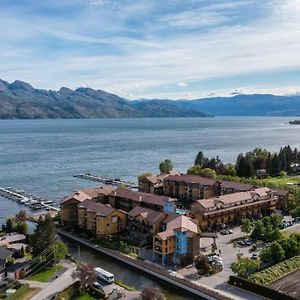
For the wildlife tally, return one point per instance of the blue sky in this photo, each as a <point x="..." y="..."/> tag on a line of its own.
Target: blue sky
<point x="153" y="48"/>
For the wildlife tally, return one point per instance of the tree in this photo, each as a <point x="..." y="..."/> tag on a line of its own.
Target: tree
<point x="275" y="221"/>
<point x="22" y="228"/>
<point x="195" y="170"/>
<point x="60" y="250"/>
<point x="258" y="230"/>
<point x="244" y="166"/>
<point x="296" y="212"/>
<point x="291" y="245"/>
<point x="201" y="263"/>
<point x="230" y="170"/>
<point x="144" y="175"/>
<point x="277" y="252"/>
<point x="199" y="160"/>
<point x="245" y="266"/>
<point x="86" y="275"/>
<point x="246" y="226"/>
<point x="276" y="235"/>
<point x="21" y="217"/>
<point x="22" y="252"/>
<point x="44" y="235"/>
<point x="209" y="173"/>
<point x="266" y="255"/>
<point x="10" y="225"/>
<point x="166" y="166"/>
<point x="152" y="294"/>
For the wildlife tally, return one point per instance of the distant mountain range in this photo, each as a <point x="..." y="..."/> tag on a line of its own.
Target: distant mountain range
<point x="19" y="100"/>
<point x="247" y="105"/>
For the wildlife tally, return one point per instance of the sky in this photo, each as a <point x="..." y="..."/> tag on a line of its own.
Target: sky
<point x="176" y="49"/>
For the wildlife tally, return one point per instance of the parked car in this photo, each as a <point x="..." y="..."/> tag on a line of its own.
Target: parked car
<point x="224" y="232"/>
<point x="241" y="243"/>
<point x="254" y="256"/>
<point x="230" y="231"/>
<point x="97" y="285"/>
<point x="247" y="242"/>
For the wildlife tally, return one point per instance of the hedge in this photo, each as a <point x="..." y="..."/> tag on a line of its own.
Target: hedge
<point x="258" y="289"/>
<point x="276" y="272"/>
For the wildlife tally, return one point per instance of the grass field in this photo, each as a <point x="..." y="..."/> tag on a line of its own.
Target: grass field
<point x="283" y="180"/>
<point x="84" y="296"/>
<point x="45" y="274"/>
<point x="22" y="293"/>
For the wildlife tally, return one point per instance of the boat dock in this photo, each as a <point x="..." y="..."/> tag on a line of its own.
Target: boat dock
<point x="30" y="200"/>
<point x="107" y="180"/>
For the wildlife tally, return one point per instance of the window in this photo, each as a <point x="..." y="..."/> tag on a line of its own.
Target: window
<point x="114" y="219"/>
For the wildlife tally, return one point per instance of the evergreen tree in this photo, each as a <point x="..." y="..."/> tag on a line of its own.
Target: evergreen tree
<point x="10" y="225"/>
<point x="166" y="166"/>
<point x="199" y="160"/>
<point x="44" y="235"/>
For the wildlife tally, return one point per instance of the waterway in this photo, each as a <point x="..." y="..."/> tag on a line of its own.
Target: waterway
<point x="123" y="273"/>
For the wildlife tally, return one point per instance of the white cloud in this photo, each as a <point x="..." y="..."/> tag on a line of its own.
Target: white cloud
<point x="182" y="84"/>
<point x="141" y="60"/>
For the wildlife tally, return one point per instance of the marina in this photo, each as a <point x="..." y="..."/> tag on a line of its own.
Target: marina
<point x="32" y="201"/>
<point x="107" y="180"/>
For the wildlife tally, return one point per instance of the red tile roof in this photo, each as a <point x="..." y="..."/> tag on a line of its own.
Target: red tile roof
<point x="141" y="197"/>
<point x="98" y="208"/>
<point x="210" y="182"/>
<point x="149" y="215"/>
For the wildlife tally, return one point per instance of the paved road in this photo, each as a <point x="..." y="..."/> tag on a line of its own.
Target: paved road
<point x="59" y="284"/>
<point x="229" y="255"/>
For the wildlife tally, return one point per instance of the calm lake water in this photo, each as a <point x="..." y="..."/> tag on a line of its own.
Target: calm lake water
<point x="41" y="156"/>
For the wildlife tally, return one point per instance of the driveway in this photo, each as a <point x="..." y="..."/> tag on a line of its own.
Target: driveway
<point x="57" y="285"/>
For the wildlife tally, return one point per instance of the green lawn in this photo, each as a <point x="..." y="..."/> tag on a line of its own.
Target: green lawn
<point x="45" y="274"/>
<point x="283" y="180"/>
<point x="20" y="293"/>
<point x="73" y="292"/>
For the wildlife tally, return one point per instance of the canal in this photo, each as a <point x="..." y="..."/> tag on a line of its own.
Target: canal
<point x="122" y="272"/>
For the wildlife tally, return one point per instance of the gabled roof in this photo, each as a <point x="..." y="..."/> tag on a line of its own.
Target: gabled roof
<point x="89" y="193"/>
<point x="191" y="179"/>
<point x="141" y="197"/>
<point x="186" y="178"/>
<point x="181" y="223"/>
<point x="149" y="215"/>
<point x="98" y="208"/>
<point x="234" y="197"/>
<point x="4" y="253"/>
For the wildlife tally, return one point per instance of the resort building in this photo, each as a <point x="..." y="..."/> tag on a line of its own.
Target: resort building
<point x="217" y="212"/>
<point x="193" y="187"/>
<point x="126" y="199"/>
<point x="153" y="184"/>
<point x="143" y="223"/>
<point x="100" y="219"/>
<point x="69" y="204"/>
<point x="179" y="243"/>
